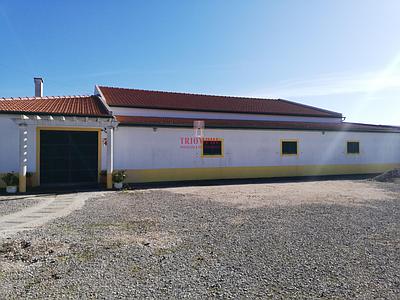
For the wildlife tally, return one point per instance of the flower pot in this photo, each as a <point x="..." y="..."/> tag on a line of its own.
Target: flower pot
<point x="103" y="179"/>
<point x="118" y="185"/>
<point x="29" y="182"/>
<point x="12" y="189"/>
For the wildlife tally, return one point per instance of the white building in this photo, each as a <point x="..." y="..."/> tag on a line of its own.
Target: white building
<point x="69" y="140"/>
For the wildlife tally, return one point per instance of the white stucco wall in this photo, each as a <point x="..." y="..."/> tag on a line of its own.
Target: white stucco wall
<point x="144" y="148"/>
<point x="9" y="146"/>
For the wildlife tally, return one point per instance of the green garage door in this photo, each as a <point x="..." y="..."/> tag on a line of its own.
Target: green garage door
<point x="68" y="157"/>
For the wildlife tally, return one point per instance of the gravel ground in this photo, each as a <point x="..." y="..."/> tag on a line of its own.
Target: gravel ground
<point x="9" y="204"/>
<point x="190" y="244"/>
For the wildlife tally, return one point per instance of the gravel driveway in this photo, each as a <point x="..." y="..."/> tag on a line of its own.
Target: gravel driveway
<point x="253" y="241"/>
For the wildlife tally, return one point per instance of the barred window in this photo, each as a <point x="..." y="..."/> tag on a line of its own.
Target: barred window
<point x="353" y="147"/>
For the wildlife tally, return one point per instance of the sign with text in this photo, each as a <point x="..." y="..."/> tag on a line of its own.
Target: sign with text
<point x="191" y="142"/>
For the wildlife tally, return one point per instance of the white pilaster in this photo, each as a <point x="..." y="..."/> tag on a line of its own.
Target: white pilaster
<point x="23" y="156"/>
<point x="110" y="155"/>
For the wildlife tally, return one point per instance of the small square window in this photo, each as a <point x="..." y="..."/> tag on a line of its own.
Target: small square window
<point x="289" y="147"/>
<point x="353" y="147"/>
<point x="212" y="148"/>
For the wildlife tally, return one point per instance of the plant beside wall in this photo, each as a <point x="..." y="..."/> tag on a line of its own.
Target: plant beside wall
<point x="118" y="178"/>
<point x="11" y="180"/>
<point x="29" y="179"/>
<point x="103" y="177"/>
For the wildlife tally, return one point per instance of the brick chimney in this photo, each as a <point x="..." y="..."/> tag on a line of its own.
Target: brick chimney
<point x="38" y="86"/>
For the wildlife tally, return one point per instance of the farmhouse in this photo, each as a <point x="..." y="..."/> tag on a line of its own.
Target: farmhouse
<point x="165" y="136"/>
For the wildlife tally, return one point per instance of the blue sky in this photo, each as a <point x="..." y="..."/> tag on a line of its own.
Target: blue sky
<point x="339" y="55"/>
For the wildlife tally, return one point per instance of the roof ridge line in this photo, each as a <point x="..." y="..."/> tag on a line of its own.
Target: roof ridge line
<point x="191" y="94"/>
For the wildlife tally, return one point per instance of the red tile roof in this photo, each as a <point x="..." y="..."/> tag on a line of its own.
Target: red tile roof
<point x="57" y="105"/>
<point x="248" y="124"/>
<point x="196" y="102"/>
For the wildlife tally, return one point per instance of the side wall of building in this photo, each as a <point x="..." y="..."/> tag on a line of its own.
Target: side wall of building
<point x="168" y="154"/>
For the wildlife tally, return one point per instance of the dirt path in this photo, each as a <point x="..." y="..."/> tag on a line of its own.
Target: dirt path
<point x="51" y="207"/>
<point x="343" y="192"/>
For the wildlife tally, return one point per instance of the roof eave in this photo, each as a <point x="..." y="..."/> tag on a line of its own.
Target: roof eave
<point x="52" y="114"/>
<point x="132" y="124"/>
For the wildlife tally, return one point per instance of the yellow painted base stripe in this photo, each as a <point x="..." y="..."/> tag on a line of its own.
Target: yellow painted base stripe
<point x="181" y="174"/>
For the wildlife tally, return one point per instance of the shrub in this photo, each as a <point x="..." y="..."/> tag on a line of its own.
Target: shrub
<point x="10" y="179"/>
<point x="119" y="176"/>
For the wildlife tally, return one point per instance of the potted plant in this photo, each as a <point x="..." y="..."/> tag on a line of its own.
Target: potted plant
<point x="29" y="179"/>
<point x="118" y="178"/>
<point x="11" y="180"/>
<point x="103" y="177"/>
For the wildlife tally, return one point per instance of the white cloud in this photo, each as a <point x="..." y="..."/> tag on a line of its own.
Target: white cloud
<point x="333" y="84"/>
<point x="368" y="83"/>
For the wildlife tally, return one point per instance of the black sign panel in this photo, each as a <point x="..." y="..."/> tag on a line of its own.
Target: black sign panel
<point x="212" y="147"/>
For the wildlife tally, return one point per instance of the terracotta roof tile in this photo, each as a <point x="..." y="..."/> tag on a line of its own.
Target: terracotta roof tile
<point x="58" y="105"/>
<point x="196" y="102"/>
<point x="248" y="124"/>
